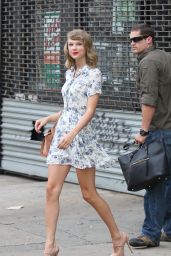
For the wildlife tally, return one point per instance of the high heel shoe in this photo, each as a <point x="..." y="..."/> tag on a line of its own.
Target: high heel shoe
<point x="120" y="245"/>
<point x="52" y="252"/>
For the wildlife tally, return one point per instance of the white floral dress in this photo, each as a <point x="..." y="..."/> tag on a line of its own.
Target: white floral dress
<point x="84" y="151"/>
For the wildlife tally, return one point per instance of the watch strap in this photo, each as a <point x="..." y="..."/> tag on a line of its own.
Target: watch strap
<point x="143" y="133"/>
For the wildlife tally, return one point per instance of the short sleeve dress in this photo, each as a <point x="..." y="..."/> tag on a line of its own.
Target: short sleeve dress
<point x="84" y="151"/>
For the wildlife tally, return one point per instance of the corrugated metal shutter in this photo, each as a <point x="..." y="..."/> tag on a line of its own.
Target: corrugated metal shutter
<point x="20" y="154"/>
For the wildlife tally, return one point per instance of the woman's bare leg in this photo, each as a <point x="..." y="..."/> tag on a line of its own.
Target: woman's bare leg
<point x="56" y="178"/>
<point x="87" y="183"/>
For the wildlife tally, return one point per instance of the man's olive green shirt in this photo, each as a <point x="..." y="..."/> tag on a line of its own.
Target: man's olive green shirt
<point x="154" y="83"/>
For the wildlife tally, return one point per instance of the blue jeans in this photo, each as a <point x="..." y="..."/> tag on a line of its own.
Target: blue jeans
<point x="157" y="200"/>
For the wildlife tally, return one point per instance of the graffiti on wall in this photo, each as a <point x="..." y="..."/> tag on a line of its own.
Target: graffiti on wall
<point x="51" y="67"/>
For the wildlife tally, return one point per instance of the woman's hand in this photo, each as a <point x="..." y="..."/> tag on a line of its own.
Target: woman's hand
<point x="66" y="140"/>
<point x="40" y="123"/>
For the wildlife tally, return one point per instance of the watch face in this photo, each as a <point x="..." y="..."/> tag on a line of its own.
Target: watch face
<point x="143" y="133"/>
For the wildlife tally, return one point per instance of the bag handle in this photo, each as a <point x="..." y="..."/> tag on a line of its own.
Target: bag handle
<point x="127" y="145"/>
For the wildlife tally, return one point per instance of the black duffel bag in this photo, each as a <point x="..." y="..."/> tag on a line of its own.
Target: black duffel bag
<point x="145" y="166"/>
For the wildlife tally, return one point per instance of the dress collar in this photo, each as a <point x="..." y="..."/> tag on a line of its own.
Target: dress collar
<point x="80" y="71"/>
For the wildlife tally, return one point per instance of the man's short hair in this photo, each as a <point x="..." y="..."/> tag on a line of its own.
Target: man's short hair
<point x="145" y="30"/>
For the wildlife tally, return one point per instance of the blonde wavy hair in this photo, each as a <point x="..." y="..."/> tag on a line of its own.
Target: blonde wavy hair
<point x="81" y="35"/>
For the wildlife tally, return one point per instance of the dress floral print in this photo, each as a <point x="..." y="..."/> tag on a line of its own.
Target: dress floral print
<point x="84" y="151"/>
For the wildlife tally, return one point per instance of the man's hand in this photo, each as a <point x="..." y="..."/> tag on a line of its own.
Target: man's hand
<point x="140" y="139"/>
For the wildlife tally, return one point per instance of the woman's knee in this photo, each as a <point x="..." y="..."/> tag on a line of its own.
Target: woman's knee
<point x="53" y="191"/>
<point x="89" y="196"/>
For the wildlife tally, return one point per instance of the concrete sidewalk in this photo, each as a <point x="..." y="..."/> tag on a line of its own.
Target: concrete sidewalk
<point x="80" y="230"/>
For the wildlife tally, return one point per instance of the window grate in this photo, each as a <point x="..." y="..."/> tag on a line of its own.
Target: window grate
<point x="34" y="32"/>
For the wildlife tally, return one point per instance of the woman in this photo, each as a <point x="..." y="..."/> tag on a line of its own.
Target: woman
<point x="74" y="142"/>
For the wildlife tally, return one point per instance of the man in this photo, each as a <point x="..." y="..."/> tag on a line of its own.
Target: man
<point x="154" y="83"/>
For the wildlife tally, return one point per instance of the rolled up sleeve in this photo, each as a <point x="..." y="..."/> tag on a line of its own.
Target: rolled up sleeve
<point x="149" y="83"/>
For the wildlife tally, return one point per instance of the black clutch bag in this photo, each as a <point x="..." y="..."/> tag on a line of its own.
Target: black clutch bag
<point x="145" y="166"/>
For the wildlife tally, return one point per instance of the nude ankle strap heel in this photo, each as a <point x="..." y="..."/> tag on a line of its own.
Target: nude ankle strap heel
<point x="121" y="243"/>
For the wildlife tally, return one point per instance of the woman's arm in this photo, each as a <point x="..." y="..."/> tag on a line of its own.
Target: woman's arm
<point x="43" y="121"/>
<point x="84" y="120"/>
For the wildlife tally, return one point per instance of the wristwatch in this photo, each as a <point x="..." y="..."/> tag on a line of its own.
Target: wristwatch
<point x="143" y="133"/>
